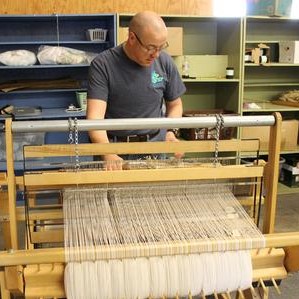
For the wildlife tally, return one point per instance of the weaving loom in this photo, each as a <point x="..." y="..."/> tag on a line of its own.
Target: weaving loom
<point x="144" y="227"/>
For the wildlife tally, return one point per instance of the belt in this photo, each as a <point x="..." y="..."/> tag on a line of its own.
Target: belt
<point x="133" y="138"/>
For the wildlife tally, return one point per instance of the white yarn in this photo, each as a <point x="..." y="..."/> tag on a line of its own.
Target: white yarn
<point x="232" y="258"/>
<point x="158" y="277"/>
<point x="73" y="281"/>
<point x="209" y="270"/>
<point x="222" y="272"/>
<point x="130" y="278"/>
<point x="246" y="268"/>
<point x="184" y="274"/>
<point x="90" y="278"/>
<point x="143" y="278"/>
<point x="196" y="271"/>
<point x="68" y="276"/>
<point x="78" y="282"/>
<point x="117" y="279"/>
<point x="103" y="286"/>
<point x="169" y="276"/>
<point x="172" y="276"/>
<point x="131" y="218"/>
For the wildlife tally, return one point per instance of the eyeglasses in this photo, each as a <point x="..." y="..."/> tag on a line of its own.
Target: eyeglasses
<point x="150" y="48"/>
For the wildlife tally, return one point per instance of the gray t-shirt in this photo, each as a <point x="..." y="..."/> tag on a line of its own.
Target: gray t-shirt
<point x="131" y="90"/>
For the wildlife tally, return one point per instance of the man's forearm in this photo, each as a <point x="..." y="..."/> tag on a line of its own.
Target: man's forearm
<point x="175" y="108"/>
<point x="98" y="136"/>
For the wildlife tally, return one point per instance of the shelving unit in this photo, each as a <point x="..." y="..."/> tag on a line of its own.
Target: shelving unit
<point x="208" y="36"/>
<point x="263" y="83"/>
<point x="29" y="32"/>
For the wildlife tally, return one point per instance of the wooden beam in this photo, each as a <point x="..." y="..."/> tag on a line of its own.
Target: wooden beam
<point x="4" y="221"/>
<point x="11" y="181"/>
<point x="66" y="150"/>
<point x="48" y="236"/>
<point x="52" y="178"/>
<point x="57" y="255"/>
<point x="271" y="176"/>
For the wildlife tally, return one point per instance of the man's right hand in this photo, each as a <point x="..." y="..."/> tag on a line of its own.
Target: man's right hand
<point x="113" y="162"/>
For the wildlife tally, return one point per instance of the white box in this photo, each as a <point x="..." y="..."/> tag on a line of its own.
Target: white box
<point x="289" y="51"/>
<point x="292" y="169"/>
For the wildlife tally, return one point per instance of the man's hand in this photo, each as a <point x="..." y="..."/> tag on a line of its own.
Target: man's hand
<point x="113" y="162"/>
<point x="170" y="136"/>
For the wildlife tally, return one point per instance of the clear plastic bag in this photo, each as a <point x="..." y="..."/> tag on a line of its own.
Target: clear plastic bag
<point x="63" y="55"/>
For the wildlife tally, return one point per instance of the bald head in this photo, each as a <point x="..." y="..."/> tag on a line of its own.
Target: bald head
<point x="146" y="39"/>
<point x="146" y="21"/>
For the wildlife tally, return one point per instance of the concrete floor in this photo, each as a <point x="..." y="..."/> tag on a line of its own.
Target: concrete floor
<point x="287" y="220"/>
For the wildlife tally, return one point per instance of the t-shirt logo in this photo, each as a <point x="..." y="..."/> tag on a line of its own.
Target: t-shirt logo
<point x="157" y="80"/>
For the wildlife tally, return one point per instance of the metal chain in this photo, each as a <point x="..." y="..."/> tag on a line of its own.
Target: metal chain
<point x="219" y="126"/>
<point x="74" y="139"/>
<point x="71" y="137"/>
<point x="76" y="133"/>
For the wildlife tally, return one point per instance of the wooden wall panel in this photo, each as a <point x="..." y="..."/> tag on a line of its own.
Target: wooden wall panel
<point x="168" y="7"/>
<point x="197" y="7"/>
<point x="92" y="7"/>
<point x="132" y="6"/>
<point x="186" y="7"/>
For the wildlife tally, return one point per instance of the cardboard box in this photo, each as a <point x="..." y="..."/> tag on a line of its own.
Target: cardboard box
<point x="289" y="51"/>
<point x="289" y="133"/>
<point x="175" y="39"/>
<point x="122" y="35"/>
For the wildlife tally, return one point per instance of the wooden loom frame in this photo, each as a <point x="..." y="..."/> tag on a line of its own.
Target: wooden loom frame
<point x="45" y="261"/>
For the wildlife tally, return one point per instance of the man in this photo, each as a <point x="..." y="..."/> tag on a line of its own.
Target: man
<point x="135" y="80"/>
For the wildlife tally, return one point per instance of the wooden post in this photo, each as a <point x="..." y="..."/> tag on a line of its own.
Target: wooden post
<point x="4" y="292"/>
<point x="11" y="181"/>
<point x="271" y="175"/>
<point x="4" y="213"/>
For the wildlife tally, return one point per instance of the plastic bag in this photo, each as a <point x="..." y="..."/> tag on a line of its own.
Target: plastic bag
<point x="62" y="55"/>
<point x="18" y="58"/>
